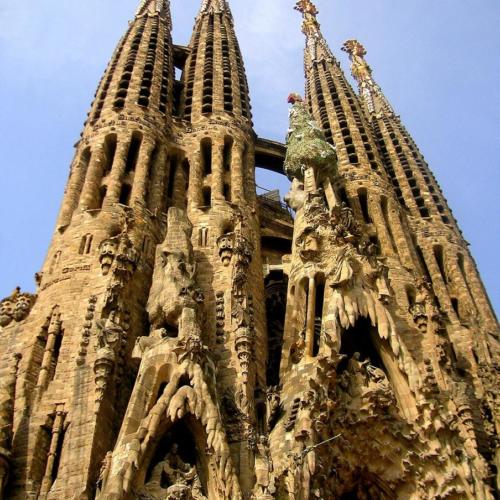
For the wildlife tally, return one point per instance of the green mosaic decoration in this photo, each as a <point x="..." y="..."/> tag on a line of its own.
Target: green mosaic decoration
<point x="306" y="144"/>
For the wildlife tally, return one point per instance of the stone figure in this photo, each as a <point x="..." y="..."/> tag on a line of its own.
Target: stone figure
<point x="6" y="311"/>
<point x="298" y="348"/>
<point x="111" y="332"/>
<point x="225" y="243"/>
<point x="263" y="469"/>
<point x="184" y="482"/>
<point x="16" y="307"/>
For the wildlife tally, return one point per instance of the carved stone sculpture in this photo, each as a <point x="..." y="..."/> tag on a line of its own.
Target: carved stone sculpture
<point x="306" y="143"/>
<point x="6" y="311"/>
<point x="263" y="470"/>
<point x="225" y="243"/>
<point x="16" y="307"/>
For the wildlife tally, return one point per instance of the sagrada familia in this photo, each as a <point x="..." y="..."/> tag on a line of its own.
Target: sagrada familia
<point x="189" y="339"/>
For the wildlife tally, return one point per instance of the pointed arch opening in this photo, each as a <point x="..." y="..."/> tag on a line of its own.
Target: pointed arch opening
<point x="177" y="458"/>
<point x="362" y="345"/>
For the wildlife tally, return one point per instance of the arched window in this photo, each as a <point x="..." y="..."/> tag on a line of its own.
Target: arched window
<point x="109" y="156"/>
<point x="125" y="193"/>
<point x="228" y="147"/>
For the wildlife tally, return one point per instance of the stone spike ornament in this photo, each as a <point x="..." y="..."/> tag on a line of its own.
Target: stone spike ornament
<point x="190" y="339"/>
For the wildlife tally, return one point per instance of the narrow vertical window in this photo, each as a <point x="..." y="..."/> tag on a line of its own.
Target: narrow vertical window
<point x="125" y="195"/>
<point x="363" y="201"/>
<point x="207" y="197"/>
<point x="385" y="214"/>
<point x="438" y="254"/>
<point x="206" y="156"/>
<point x="133" y="152"/>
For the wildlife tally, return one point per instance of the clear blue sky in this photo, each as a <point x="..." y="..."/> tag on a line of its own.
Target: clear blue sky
<point x="436" y="60"/>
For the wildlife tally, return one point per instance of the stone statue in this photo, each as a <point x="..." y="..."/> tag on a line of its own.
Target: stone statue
<point x="182" y="477"/>
<point x="174" y="286"/>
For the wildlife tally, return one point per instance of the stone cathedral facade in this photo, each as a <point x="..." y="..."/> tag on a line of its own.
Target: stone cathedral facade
<point x="189" y="339"/>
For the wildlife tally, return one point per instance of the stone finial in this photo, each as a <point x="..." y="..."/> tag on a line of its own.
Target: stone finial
<point x="306" y="7"/>
<point x="310" y="25"/>
<point x="361" y="71"/>
<point x="354" y="47"/>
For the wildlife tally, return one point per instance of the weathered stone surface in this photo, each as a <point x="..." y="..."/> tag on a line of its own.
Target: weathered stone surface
<point x="191" y="340"/>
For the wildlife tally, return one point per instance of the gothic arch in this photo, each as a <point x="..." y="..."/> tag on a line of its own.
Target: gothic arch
<point x="186" y="397"/>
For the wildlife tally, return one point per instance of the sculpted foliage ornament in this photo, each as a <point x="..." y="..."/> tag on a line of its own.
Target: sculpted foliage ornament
<point x="306" y="144"/>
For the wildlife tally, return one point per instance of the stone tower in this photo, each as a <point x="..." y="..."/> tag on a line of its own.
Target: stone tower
<point x="189" y="339"/>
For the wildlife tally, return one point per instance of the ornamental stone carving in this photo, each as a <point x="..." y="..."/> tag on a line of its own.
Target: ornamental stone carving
<point x="16" y="307"/>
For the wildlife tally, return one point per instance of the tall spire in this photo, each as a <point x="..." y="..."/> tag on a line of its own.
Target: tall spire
<point x="331" y="99"/>
<point x="214" y="78"/>
<point x="317" y="47"/>
<point x="369" y="90"/>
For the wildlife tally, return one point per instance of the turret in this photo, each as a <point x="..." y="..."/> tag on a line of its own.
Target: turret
<point x="121" y="156"/>
<point x="214" y="81"/>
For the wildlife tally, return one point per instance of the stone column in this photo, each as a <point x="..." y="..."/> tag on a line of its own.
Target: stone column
<point x="440" y="288"/>
<point x="399" y="235"/>
<point x="477" y="289"/>
<point x="57" y="430"/>
<point x="311" y="312"/>
<point x="378" y="219"/>
<point x="74" y="189"/>
<point x="118" y="170"/>
<point x="237" y="178"/>
<point x="159" y="175"/>
<point x="217" y="171"/>
<point x="142" y="170"/>
<point x="249" y="177"/>
<point x="48" y="356"/>
<point x="195" y="181"/>
<point x="90" y="194"/>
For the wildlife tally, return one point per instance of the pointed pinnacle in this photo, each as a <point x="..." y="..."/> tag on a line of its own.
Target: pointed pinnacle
<point x="361" y="71"/>
<point x="310" y="25"/>
<point x="353" y="47"/>
<point x="306" y="7"/>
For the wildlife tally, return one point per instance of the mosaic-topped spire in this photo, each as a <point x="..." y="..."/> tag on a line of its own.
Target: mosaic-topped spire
<point x="317" y="47"/>
<point x="361" y="71"/>
<point x="309" y="11"/>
